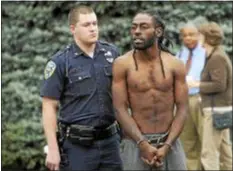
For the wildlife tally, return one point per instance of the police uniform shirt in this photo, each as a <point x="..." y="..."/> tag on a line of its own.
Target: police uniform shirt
<point x="82" y="84"/>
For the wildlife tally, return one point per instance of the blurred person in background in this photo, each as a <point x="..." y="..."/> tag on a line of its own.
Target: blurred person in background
<point x="216" y="91"/>
<point x="193" y="56"/>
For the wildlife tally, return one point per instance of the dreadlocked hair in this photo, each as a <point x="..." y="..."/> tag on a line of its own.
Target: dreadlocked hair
<point x="163" y="41"/>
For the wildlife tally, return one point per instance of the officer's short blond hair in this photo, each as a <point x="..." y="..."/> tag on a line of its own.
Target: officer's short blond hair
<point x="74" y="13"/>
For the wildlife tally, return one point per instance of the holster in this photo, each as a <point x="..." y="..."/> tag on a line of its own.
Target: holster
<point x="80" y="134"/>
<point x="64" y="158"/>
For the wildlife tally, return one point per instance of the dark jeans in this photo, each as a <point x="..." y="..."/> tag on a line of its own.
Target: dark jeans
<point x="103" y="155"/>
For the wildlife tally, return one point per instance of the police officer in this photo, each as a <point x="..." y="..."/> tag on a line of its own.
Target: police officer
<point x="78" y="80"/>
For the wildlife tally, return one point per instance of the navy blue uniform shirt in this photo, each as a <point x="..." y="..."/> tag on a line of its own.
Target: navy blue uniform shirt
<point x="82" y="84"/>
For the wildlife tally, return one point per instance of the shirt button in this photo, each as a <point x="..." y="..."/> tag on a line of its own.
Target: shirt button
<point x="79" y="78"/>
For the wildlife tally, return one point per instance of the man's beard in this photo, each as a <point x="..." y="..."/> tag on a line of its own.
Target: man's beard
<point x="147" y="44"/>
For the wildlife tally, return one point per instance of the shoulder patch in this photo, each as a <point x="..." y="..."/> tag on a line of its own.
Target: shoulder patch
<point x="49" y="69"/>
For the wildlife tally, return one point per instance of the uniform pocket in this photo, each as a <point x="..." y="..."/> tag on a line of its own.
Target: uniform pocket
<point x="79" y="77"/>
<point x="81" y="81"/>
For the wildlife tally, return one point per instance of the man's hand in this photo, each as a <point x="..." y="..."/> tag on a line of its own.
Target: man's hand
<point x="160" y="155"/>
<point x="148" y="152"/>
<point x="53" y="159"/>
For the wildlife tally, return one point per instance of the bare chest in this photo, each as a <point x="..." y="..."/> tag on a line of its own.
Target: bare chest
<point x="150" y="77"/>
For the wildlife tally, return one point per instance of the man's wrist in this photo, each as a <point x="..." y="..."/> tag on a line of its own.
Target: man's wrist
<point x="142" y="142"/>
<point x="168" y="145"/>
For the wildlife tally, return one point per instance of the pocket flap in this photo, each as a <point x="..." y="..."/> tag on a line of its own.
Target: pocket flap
<point x="79" y="76"/>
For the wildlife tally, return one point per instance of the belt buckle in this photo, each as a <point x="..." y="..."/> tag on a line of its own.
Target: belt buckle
<point x="158" y="140"/>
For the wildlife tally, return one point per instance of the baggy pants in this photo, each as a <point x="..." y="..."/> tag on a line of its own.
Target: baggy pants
<point x="130" y="154"/>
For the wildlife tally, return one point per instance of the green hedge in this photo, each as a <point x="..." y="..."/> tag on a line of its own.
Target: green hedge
<point x="33" y="31"/>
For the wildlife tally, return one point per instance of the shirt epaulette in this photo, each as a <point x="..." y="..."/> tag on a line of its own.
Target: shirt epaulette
<point x="107" y="43"/>
<point x="61" y="52"/>
<point x="111" y="46"/>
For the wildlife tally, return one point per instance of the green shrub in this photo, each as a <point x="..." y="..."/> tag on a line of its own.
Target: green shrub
<point x="33" y="31"/>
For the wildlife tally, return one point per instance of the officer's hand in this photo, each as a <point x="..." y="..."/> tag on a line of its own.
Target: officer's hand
<point x="53" y="159"/>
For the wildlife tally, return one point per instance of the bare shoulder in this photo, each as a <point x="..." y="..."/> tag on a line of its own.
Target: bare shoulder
<point x="123" y="61"/>
<point x="178" y="64"/>
<point x="175" y="63"/>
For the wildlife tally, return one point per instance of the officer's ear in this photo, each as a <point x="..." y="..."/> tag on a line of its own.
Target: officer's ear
<point x="72" y="28"/>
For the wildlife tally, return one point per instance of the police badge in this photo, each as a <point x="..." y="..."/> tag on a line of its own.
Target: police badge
<point x="109" y="56"/>
<point x="49" y="69"/>
<point x="110" y="59"/>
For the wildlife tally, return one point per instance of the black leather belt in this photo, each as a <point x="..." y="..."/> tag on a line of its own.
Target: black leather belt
<point x="107" y="132"/>
<point x="83" y="131"/>
<point x="157" y="139"/>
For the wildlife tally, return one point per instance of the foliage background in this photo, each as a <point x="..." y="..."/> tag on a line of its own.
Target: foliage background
<point x="33" y="31"/>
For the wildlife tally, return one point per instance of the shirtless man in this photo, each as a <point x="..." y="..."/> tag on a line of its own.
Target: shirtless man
<point x="150" y="82"/>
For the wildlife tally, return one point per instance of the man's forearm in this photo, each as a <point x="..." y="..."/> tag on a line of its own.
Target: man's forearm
<point x="50" y="126"/>
<point x="177" y="125"/>
<point x="128" y="124"/>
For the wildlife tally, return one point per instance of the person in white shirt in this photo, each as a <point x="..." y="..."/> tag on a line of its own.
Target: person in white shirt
<point x="193" y="56"/>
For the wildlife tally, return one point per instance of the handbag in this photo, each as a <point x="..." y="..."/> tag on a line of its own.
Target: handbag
<point x="221" y="119"/>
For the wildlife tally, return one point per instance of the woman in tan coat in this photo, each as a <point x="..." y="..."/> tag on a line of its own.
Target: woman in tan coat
<point x="216" y="85"/>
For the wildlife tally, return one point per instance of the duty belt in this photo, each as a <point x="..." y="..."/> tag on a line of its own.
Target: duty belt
<point x="82" y="131"/>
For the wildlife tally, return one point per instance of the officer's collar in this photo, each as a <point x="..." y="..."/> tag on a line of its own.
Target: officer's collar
<point x="78" y="51"/>
<point x="99" y="48"/>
